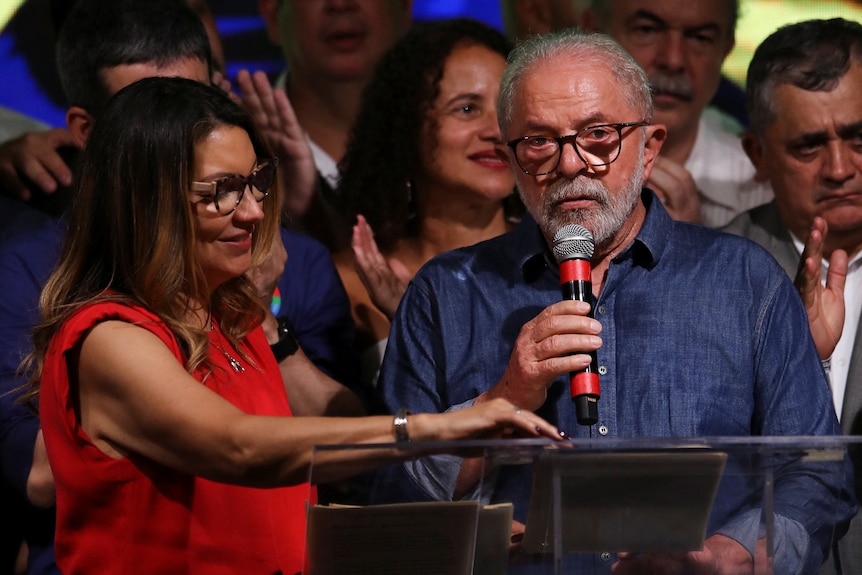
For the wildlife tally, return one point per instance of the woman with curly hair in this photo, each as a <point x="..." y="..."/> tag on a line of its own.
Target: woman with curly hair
<point x="168" y="424"/>
<point x="422" y="168"/>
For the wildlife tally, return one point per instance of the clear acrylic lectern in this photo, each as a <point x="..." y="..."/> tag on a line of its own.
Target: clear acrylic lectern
<point x="567" y="507"/>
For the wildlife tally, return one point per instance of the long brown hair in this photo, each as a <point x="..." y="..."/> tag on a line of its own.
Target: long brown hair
<point x="131" y="226"/>
<point x="384" y="151"/>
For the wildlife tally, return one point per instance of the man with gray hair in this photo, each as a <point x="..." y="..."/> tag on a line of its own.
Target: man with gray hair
<point x="486" y="321"/>
<point x="806" y="111"/>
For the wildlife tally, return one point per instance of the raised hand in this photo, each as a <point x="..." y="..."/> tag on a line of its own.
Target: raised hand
<point x="676" y="189"/>
<point x="824" y="305"/>
<point x="33" y="158"/>
<point x="385" y="280"/>
<point x="277" y="121"/>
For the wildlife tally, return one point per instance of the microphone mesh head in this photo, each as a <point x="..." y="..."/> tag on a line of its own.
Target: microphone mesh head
<point x="573" y="241"/>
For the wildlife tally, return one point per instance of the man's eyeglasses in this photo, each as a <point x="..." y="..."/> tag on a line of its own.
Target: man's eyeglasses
<point x="595" y="145"/>
<point x="226" y="193"/>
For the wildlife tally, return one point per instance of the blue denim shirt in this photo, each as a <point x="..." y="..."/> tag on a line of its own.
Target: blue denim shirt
<point x="703" y="335"/>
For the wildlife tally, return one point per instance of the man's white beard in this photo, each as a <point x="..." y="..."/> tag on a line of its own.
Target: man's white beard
<point x="603" y="221"/>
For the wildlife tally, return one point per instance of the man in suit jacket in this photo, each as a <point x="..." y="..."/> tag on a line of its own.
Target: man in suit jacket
<point x="806" y="119"/>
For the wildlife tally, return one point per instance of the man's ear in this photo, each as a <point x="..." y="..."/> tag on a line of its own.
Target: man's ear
<point x="655" y="137"/>
<point x="754" y="151"/>
<point x="269" y="12"/>
<point x="80" y="124"/>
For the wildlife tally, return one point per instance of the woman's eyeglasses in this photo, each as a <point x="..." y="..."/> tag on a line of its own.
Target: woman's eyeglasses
<point x="227" y="192"/>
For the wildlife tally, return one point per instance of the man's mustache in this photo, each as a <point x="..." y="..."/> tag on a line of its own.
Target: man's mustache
<point x="672" y="84"/>
<point x="584" y="189"/>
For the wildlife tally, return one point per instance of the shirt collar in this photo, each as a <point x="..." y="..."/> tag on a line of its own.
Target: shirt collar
<point x="653" y="237"/>
<point x="534" y="254"/>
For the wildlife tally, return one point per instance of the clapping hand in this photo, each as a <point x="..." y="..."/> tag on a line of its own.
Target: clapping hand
<point x="385" y="279"/>
<point x="275" y="117"/>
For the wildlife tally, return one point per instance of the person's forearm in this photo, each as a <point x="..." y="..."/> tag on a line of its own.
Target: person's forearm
<point x="313" y="393"/>
<point x="472" y="471"/>
<point x="310" y="391"/>
<point x="291" y="441"/>
<point x="261" y="451"/>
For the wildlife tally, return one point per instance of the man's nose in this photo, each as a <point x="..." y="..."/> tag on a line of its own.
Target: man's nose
<point x="571" y="164"/>
<point x="840" y="163"/>
<point x="671" y="51"/>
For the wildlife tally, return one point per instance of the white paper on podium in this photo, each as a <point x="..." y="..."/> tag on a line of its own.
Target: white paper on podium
<point x="624" y="501"/>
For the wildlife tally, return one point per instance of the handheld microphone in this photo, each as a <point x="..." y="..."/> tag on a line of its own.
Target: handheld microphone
<point x="573" y="248"/>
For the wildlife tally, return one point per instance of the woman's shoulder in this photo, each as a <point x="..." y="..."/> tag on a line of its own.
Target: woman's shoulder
<point x="96" y="312"/>
<point x="113" y="308"/>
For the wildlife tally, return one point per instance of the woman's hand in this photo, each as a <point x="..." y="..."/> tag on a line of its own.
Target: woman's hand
<point x="266" y="275"/>
<point x="488" y="420"/>
<point x="385" y="280"/>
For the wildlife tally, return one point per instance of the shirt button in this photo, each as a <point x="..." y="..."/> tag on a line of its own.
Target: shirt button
<point x="602" y="370"/>
<point x="603" y="430"/>
<point x="606" y="556"/>
<point x="602" y="310"/>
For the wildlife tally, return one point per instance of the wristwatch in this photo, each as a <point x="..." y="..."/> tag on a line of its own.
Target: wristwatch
<point x="286" y="344"/>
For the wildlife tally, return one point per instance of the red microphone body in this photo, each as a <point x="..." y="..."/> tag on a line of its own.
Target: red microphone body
<point x="573" y="248"/>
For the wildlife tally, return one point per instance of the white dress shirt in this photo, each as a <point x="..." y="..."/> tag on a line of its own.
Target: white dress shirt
<point x="722" y="171"/>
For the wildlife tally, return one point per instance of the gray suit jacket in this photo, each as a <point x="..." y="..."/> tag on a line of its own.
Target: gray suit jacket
<point x="763" y="225"/>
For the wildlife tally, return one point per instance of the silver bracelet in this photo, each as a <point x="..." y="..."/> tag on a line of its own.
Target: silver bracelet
<point x="400" y="425"/>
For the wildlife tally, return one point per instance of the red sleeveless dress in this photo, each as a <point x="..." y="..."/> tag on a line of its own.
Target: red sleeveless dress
<point x="132" y="515"/>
